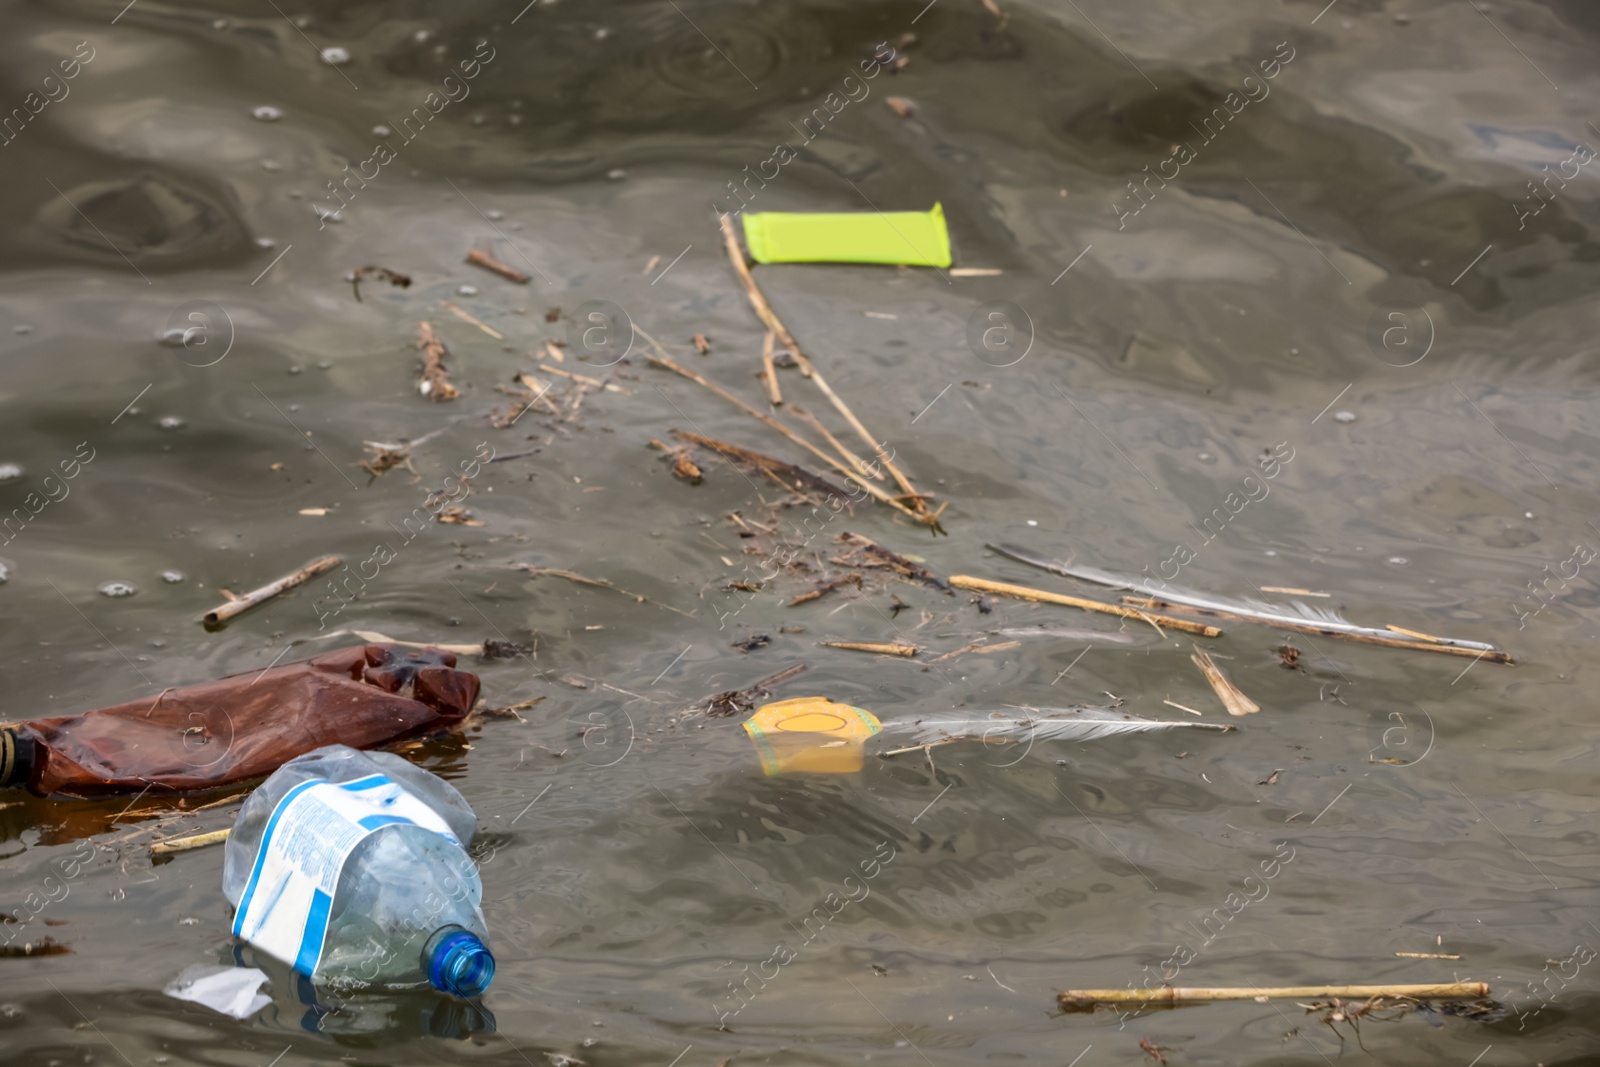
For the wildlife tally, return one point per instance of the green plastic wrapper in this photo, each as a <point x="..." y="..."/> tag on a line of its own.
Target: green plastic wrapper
<point x="911" y="238"/>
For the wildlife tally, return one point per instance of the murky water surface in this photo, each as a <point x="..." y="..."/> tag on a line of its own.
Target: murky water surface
<point x="1376" y="264"/>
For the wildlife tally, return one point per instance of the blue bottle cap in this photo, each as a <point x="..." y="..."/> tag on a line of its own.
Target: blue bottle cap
<point x="460" y="964"/>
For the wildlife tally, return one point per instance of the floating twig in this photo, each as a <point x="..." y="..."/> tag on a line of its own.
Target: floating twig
<point x="878" y="556"/>
<point x="977" y="647"/>
<point x="435" y="381"/>
<point x="169" y="845"/>
<point x="240" y="604"/>
<point x="1085" y="999"/>
<point x="1022" y="592"/>
<point x="770" y="370"/>
<point x="764" y="312"/>
<point x="884" y="648"/>
<point x="683" y="464"/>
<point x="479" y="323"/>
<point x="799" y="479"/>
<point x="825" y="588"/>
<point x="535" y="571"/>
<point x="393" y="277"/>
<point x="739" y="701"/>
<point x="1232" y="699"/>
<point x="488" y="262"/>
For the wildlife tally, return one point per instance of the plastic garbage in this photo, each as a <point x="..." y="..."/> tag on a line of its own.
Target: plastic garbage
<point x="234" y="991"/>
<point x="913" y="238"/>
<point x="810" y="735"/>
<point x="351" y="867"/>
<point x="240" y="727"/>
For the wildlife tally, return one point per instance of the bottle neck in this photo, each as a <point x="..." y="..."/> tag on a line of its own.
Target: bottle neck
<point x="456" y="962"/>
<point x="17" y="757"/>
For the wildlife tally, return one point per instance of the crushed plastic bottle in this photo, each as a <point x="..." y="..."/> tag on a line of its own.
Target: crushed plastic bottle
<point x="241" y="727"/>
<point x="351" y="867"/>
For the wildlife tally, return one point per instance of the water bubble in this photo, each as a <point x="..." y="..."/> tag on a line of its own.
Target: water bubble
<point x="1344" y="416"/>
<point x="1033" y="522"/>
<point x="1527" y="514"/>
<point x="219" y="24"/>
<point x="1398" y="561"/>
<point x="616" y="174"/>
<point x="1207" y="457"/>
<point x="422" y="36"/>
<point x="22" y="329"/>
<point x="172" y="577"/>
<point x="466" y="290"/>
<point x="267" y="113"/>
<point x="272" y="166"/>
<point x="170" y="422"/>
<point x="118" y="589"/>
<point x="295" y="369"/>
<point x="494" y="214"/>
<point x="188" y="920"/>
<point x="266" y="242"/>
<point x="335" y="55"/>
<point x="381" y="130"/>
<point x="10" y="472"/>
<point x="6" y="569"/>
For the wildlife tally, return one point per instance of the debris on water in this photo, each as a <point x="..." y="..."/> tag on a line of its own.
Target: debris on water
<point x="875" y="555"/>
<point x="534" y="570"/>
<point x="22" y="329"/>
<point x="170" y="422"/>
<point x="811" y="735"/>
<point x="457" y="515"/>
<point x="978" y="647"/>
<point x="244" y="726"/>
<point x="387" y="455"/>
<point x="683" y="462"/>
<point x="1232" y="699"/>
<point x="793" y="478"/>
<point x="739" y="701"/>
<point x="118" y="589"/>
<point x="1289" y="657"/>
<point x="487" y="261"/>
<point x="172" y="577"/>
<point x="393" y="277"/>
<point x="901" y="106"/>
<point x="435" y="381"/>
<point x="701" y="344"/>
<point x="232" y="991"/>
<point x="465" y="317"/>
<point x="45" y="946"/>
<point x="824" y="588"/>
<point x="505" y="650"/>
<point x="903" y="238"/>
<point x="335" y="56"/>
<point x="553" y="315"/>
<point x="882" y="648"/>
<point x="239" y="604"/>
<point x="267" y="113"/>
<point x="753" y="642"/>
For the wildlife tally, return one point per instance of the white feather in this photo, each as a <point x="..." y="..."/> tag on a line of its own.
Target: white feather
<point x="1041" y="724"/>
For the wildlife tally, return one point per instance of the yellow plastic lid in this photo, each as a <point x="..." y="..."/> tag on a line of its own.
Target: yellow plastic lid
<point x="810" y="735"/>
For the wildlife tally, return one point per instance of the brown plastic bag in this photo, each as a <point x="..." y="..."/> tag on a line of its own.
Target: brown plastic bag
<point x="240" y="727"/>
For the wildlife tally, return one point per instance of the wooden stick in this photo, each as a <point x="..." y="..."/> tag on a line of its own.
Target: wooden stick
<point x="488" y="262"/>
<point x="1232" y="699"/>
<point x="1088" y="998"/>
<point x="1432" y="640"/>
<point x="798" y="478"/>
<point x="184" y="844"/>
<point x="1022" y="592"/>
<point x="886" y="648"/>
<point x="765" y="313"/>
<point x="435" y="383"/>
<point x="1492" y="655"/>
<point x="534" y="570"/>
<point x="244" y="603"/>
<point x="479" y="323"/>
<point x="662" y="359"/>
<point x="770" y="369"/>
<point x="854" y="460"/>
<point x="763" y="310"/>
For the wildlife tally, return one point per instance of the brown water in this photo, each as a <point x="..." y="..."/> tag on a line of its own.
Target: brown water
<point x="636" y="863"/>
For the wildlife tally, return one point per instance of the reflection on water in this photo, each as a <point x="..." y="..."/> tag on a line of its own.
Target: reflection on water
<point x="1340" y="259"/>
